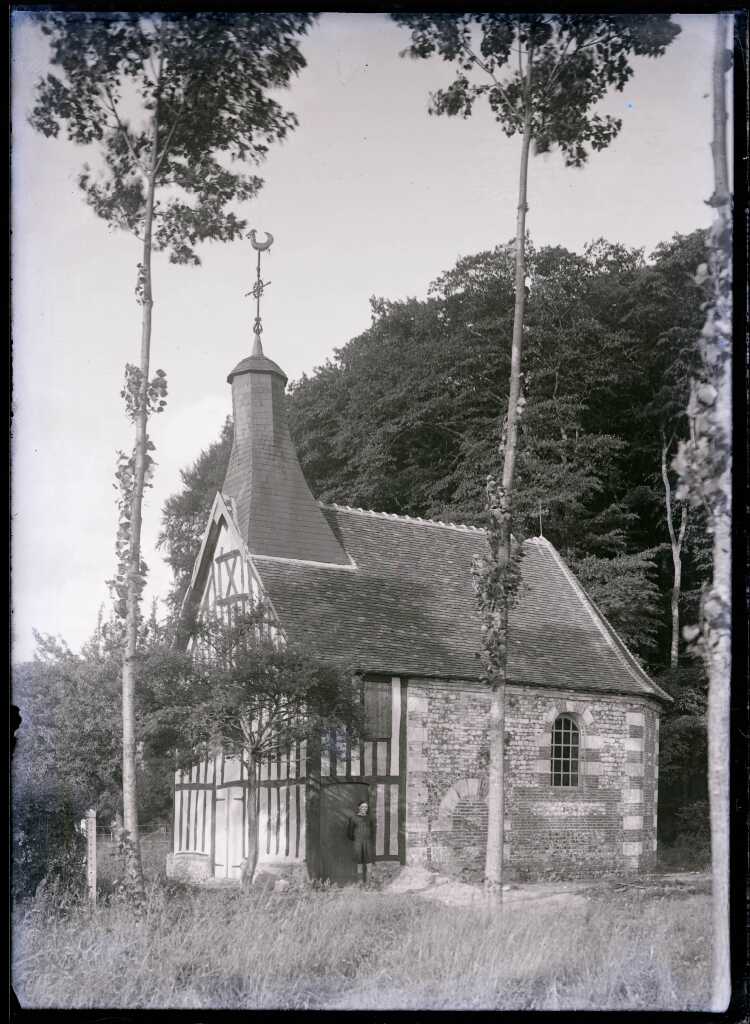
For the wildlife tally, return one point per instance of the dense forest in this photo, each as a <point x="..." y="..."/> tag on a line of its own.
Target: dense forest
<point x="404" y="419"/>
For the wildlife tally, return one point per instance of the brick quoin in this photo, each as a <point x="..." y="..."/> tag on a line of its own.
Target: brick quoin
<point x="606" y="824"/>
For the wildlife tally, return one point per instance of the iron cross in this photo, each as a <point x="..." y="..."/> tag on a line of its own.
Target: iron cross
<point x="260" y="285"/>
<point x="542" y="512"/>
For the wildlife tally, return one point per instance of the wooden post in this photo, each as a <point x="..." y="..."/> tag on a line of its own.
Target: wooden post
<point x="91" y="854"/>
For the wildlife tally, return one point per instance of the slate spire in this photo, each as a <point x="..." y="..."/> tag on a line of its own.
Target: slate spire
<point x="273" y="505"/>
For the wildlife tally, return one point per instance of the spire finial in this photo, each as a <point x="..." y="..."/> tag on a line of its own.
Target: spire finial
<point x="257" y="289"/>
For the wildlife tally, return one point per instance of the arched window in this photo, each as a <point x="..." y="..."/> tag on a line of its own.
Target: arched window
<point x="565" y="744"/>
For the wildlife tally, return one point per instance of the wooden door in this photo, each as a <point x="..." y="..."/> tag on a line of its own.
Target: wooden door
<point x="236" y="797"/>
<point x="229" y="839"/>
<point x="337" y="803"/>
<point x="221" y="836"/>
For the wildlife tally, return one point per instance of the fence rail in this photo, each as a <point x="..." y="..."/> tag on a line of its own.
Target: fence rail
<point x="107" y="831"/>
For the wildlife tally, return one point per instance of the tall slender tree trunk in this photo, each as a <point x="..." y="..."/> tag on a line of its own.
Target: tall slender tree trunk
<point x="493" y="870"/>
<point x="250" y="863"/>
<point x="717" y="604"/>
<point x="718" y="767"/>
<point x="676" y="542"/>
<point x="133" y="865"/>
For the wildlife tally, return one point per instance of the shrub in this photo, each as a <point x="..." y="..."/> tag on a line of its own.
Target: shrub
<point x="689" y="847"/>
<point x="693" y="823"/>
<point x="47" y="848"/>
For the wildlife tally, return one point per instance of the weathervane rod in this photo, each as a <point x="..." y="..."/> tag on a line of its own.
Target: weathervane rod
<point x="258" y="289"/>
<point x="542" y="512"/>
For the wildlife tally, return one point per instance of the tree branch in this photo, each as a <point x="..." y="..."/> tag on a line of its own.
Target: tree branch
<point x="178" y="118"/>
<point x="480" y="63"/>
<point x="126" y="135"/>
<point x="683" y="525"/>
<point x="567" y="56"/>
<point x="154" y="72"/>
<point x="594" y="42"/>
<point x="667" y="490"/>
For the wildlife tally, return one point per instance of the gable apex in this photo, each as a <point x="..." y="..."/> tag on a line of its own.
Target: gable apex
<point x="221" y="518"/>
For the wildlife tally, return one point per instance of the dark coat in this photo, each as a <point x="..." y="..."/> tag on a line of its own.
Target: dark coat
<point x="362" y="833"/>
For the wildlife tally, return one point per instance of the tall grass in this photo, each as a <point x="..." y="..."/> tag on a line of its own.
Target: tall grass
<point x="349" y="949"/>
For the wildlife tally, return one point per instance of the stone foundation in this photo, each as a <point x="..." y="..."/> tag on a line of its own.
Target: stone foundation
<point x="188" y="867"/>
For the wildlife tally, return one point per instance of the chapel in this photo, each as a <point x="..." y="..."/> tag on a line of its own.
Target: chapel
<point x="394" y="596"/>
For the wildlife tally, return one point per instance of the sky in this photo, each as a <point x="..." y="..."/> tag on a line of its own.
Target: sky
<point x="369" y="196"/>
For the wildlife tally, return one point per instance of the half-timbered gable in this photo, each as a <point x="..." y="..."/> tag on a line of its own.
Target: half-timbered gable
<point x="393" y="596"/>
<point x="225" y="582"/>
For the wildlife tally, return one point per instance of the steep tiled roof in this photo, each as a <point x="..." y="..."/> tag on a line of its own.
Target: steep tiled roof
<point x="407" y="606"/>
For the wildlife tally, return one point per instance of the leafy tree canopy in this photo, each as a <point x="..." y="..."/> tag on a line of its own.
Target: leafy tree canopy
<point x="573" y="61"/>
<point x="207" y="75"/>
<point x="68" y="744"/>
<point x="244" y="692"/>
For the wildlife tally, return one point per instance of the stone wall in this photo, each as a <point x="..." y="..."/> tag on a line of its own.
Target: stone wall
<point x="188" y="867"/>
<point x="606" y="823"/>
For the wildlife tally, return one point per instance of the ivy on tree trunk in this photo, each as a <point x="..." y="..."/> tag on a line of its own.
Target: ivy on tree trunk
<point x="495" y="590"/>
<point x="705" y="467"/>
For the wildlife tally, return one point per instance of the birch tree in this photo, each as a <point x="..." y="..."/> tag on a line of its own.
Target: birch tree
<point x="705" y="467"/>
<point x="542" y="76"/>
<point x="173" y="105"/>
<point x="676" y="541"/>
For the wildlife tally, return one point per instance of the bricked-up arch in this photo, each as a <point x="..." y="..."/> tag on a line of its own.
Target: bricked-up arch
<point x="459" y="832"/>
<point x="472" y="790"/>
<point x="565" y="751"/>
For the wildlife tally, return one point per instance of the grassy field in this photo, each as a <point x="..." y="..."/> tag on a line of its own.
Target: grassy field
<point x="353" y="949"/>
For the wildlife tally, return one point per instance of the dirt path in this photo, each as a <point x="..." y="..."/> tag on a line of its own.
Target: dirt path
<point x="431" y="885"/>
<point x="434" y="886"/>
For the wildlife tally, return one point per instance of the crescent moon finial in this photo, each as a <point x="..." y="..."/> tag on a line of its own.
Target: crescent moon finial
<point x="261" y="246"/>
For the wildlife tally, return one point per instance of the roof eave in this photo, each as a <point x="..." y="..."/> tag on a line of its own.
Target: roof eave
<point x="407" y="673"/>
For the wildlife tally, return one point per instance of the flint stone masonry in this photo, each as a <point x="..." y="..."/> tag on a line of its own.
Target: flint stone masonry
<point x="606" y="823"/>
<point x="567" y="809"/>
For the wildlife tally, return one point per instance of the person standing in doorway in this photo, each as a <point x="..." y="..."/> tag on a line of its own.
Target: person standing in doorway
<point x="362" y="834"/>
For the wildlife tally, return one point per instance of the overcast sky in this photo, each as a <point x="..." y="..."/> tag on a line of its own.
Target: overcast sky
<point x="369" y="196"/>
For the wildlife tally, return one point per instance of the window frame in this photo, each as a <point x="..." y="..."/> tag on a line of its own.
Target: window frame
<point x="368" y="685"/>
<point x="565" y="752"/>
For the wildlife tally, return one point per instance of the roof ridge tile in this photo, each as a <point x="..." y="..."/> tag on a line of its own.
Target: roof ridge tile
<point x="418" y="520"/>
